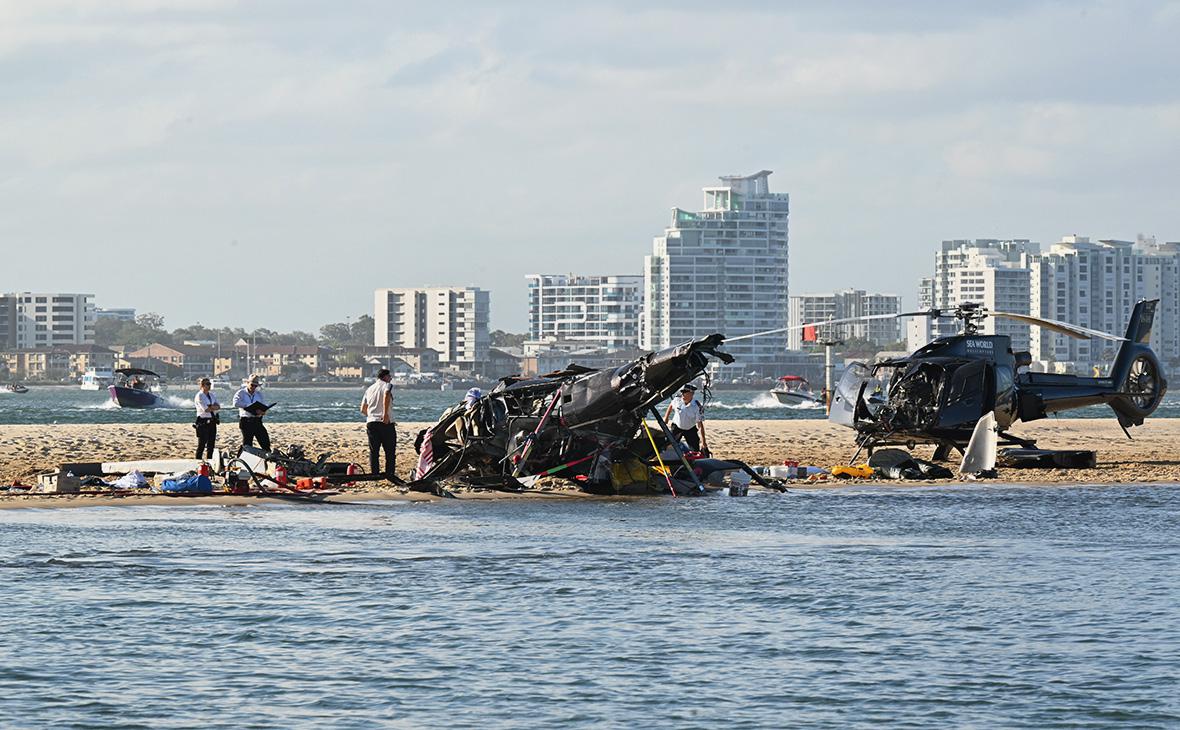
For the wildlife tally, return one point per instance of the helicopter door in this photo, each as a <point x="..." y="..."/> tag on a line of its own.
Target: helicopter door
<point x="847" y="394"/>
<point x="967" y="396"/>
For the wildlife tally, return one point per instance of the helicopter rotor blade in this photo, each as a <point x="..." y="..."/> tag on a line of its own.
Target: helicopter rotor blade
<point x="932" y="313"/>
<point x="819" y="323"/>
<point x="1065" y="328"/>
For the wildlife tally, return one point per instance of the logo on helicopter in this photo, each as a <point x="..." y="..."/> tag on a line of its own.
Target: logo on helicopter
<point x="979" y="344"/>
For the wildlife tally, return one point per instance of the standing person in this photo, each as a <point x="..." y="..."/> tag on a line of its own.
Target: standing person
<point x="688" y="420"/>
<point x="250" y="420"/>
<point x="377" y="407"/>
<point x="207" y="418"/>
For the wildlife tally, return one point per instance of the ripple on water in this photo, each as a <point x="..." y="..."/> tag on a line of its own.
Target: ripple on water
<point x="989" y="607"/>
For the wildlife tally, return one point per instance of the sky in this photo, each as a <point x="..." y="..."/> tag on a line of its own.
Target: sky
<point x="271" y="163"/>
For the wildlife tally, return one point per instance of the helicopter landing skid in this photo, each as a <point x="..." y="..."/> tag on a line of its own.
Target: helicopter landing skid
<point x="942" y="450"/>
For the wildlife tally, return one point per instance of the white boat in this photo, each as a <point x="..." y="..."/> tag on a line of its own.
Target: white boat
<point x="97" y="379"/>
<point x="794" y="390"/>
<point x="221" y="383"/>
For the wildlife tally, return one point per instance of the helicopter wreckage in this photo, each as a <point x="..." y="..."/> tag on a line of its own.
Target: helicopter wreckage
<point x="581" y="424"/>
<point x="590" y="425"/>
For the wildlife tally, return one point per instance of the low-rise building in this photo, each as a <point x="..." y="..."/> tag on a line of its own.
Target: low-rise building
<point x="41" y="364"/>
<point x="276" y="360"/>
<point x="185" y="362"/>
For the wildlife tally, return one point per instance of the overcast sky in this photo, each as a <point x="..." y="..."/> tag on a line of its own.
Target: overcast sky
<point x="271" y="163"/>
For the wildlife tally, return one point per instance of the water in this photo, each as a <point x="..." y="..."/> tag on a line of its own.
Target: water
<point x="69" y="404"/>
<point x="935" y="607"/>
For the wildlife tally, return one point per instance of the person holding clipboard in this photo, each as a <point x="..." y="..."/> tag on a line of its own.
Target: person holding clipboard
<point x="251" y="409"/>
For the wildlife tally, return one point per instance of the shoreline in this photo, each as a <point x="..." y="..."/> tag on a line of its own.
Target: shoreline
<point x="27" y="450"/>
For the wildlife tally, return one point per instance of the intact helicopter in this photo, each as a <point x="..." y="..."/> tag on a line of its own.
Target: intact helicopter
<point x="939" y="393"/>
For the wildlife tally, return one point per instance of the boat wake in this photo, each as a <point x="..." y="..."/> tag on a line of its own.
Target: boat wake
<point x="764" y="401"/>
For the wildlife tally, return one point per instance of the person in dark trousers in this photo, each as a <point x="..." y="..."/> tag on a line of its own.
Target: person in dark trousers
<point x="251" y="423"/>
<point x="377" y="407"/>
<point x="688" y="420"/>
<point x="207" y="419"/>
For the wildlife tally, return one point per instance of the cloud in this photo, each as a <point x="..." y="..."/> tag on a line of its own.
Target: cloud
<point x="474" y="143"/>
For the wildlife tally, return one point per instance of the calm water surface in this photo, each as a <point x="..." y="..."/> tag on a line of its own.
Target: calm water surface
<point x="985" y="607"/>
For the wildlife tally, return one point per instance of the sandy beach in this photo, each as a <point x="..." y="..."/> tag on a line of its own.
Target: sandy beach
<point x="26" y="451"/>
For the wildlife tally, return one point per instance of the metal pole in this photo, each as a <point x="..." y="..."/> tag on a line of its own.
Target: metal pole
<point x="672" y="442"/>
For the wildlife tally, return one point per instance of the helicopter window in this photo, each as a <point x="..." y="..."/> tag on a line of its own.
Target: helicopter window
<point x="966" y="383"/>
<point x="1003" y="380"/>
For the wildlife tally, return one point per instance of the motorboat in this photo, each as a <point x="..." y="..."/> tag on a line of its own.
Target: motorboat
<point x="136" y="388"/>
<point x="97" y="379"/>
<point x="794" y="390"/>
<point x="15" y="388"/>
<point x="221" y="383"/>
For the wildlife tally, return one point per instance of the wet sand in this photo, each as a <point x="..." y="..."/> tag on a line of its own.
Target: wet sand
<point x="25" y="451"/>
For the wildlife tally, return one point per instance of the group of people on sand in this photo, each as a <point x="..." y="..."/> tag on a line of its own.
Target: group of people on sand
<point x="685" y="415"/>
<point x="376" y="406"/>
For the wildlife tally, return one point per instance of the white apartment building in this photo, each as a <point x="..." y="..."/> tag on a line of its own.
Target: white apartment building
<point x="1096" y="284"/>
<point x="842" y="304"/>
<point x="36" y="320"/>
<point x="723" y="269"/>
<point x="1089" y="283"/>
<point x="584" y="311"/>
<point x="450" y="320"/>
<point x="992" y="272"/>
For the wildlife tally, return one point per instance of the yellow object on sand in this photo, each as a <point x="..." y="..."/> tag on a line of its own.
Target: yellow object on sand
<point x="860" y="471"/>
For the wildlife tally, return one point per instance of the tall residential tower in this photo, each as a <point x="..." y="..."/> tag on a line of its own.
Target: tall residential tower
<point x="450" y="320"/>
<point x="723" y="269"/>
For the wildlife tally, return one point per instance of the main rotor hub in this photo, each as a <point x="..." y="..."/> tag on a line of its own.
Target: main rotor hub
<point x="972" y="314"/>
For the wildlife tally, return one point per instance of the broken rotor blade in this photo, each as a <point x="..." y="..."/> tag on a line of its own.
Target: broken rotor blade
<point x="1065" y="328"/>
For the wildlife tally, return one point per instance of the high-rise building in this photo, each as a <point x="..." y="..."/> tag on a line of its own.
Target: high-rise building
<point x="1093" y="284"/>
<point x="1096" y="284"/>
<point x="453" y="321"/>
<point x="991" y="272"/>
<point x="843" y="304"/>
<point x="590" y="311"/>
<point x="723" y="269"/>
<point x="37" y="320"/>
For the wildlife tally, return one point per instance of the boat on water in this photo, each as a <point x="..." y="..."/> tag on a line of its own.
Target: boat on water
<point x="15" y="388"/>
<point x="136" y="388"/>
<point x="794" y="390"/>
<point x="97" y="379"/>
<point x="221" y="383"/>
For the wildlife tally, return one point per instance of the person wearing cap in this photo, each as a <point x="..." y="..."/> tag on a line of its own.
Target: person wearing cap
<point x="687" y="420"/>
<point x="207" y="418"/>
<point x="251" y="423"/>
<point x="377" y="407"/>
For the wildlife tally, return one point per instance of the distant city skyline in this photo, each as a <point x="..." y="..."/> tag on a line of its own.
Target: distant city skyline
<point x="291" y="159"/>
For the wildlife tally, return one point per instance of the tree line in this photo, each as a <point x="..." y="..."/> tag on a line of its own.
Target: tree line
<point x="149" y="327"/>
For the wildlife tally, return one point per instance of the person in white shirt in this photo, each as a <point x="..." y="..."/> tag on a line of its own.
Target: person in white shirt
<point x="251" y="423"/>
<point x="207" y="418"/>
<point x="688" y="420"/>
<point x="377" y="407"/>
